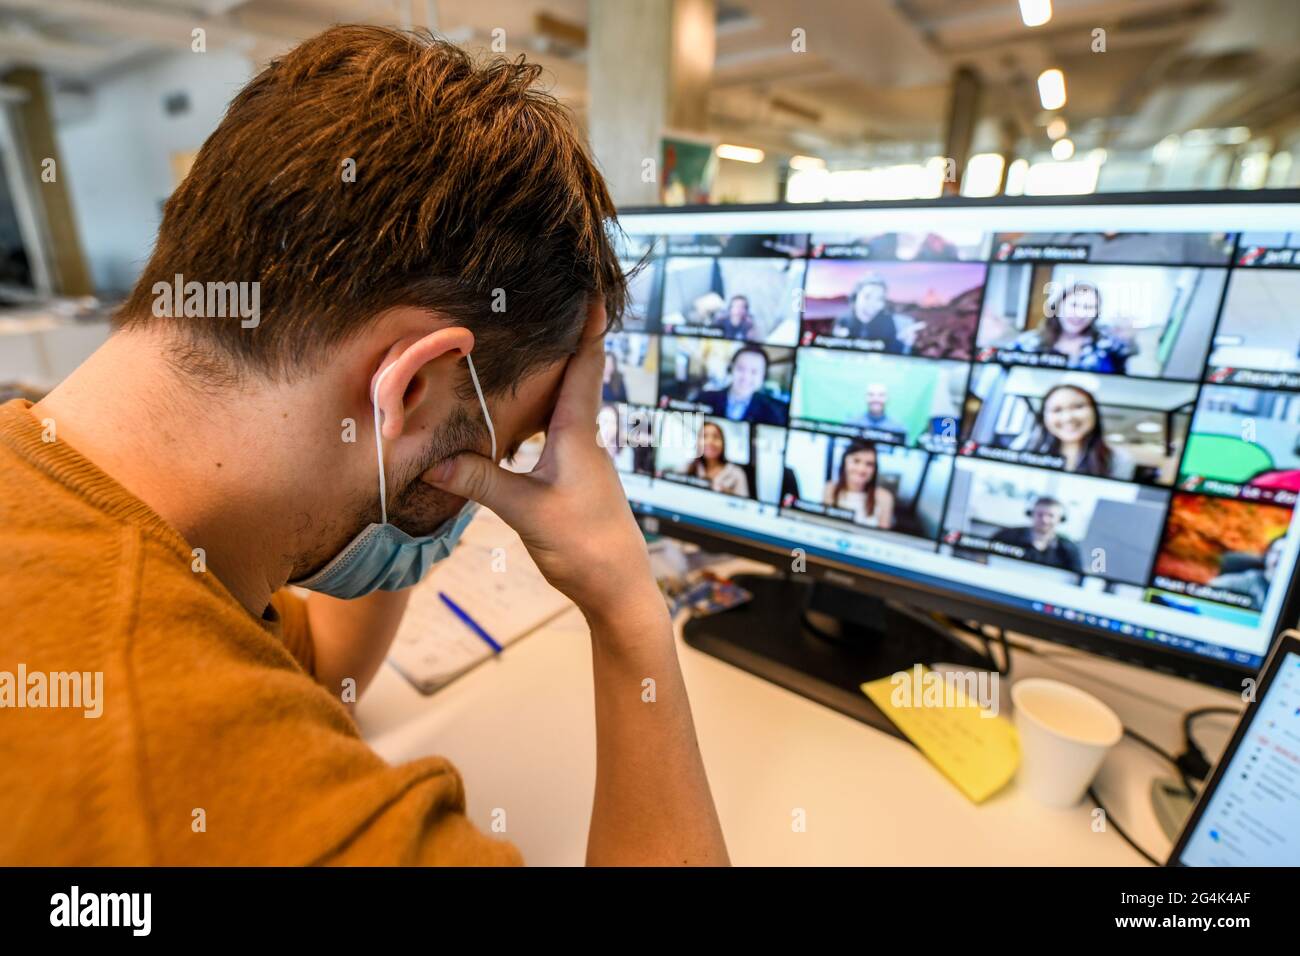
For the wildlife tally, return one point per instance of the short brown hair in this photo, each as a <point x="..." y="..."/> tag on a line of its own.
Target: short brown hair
<point x="473" y="197"/>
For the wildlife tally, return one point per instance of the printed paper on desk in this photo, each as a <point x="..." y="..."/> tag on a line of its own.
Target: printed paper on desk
<point x="492" y="577"/>
<point x="976" y="750"/>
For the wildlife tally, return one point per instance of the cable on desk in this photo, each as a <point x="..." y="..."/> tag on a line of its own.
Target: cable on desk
<point x="1192" y="762"/>
<point x="1005" y="671"/>
<point x="1180" y="763"/>
<point x="1111" y="822"/>
<point x="977" y="631"/>
<point x="1175" y="762"/>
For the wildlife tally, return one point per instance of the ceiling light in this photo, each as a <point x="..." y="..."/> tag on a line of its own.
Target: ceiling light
<point x="741" y="154"/>
<point x="1051" y="89"/>
<point x="1017" y="174"/>
<point x="983" y="175"/>
<point x="1035" y="12"/>
<point x="807" y="162"/>
<point x="1062" y="149"/>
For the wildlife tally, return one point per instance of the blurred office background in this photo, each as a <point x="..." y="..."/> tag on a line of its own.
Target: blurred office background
<point x="103" y="104"/>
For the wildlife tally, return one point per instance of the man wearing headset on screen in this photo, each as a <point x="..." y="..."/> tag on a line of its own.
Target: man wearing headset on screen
<point x="156" y="503"/>
<point x="1041" y="541"/>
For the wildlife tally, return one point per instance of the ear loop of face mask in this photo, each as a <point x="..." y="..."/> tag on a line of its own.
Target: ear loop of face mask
<point x="379" y="438"/>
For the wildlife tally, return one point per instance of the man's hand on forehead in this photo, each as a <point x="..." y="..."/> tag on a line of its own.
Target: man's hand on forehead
<point x="570" y="510"/>
<point x="594" y="329"/>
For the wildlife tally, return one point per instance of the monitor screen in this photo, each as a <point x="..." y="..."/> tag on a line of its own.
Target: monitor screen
<point x="1087" y="415"/>
<point x="1252" y="818"/>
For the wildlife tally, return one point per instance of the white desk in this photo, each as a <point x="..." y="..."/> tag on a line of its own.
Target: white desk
<point x="521" y="731"/>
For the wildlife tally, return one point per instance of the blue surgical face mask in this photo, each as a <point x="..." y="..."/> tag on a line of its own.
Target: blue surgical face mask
<point x="383" y="556"/>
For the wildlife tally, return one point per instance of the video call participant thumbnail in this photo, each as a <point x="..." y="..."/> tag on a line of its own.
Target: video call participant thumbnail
<point x="896" y="308"/>
<point x="773" y="480"/>
<point x="1254" y="581"/>
<point x="631" y="368"/>
<point x="743" y="399"/>
<point x="856" y="489"/>
<point x="1053" y="419"/>
<point x="876" y="418"/>
<point x="1147" y="321"/>
<point x="870" y="319"/>
<point x="1071" y="427"/>
<point x="713" y="461"/>
<point x="752" y="386"/>
<point x="883" y="487"/>
<point x="1071" y="331"/>
<point x="747" y="300"/>
<point x="626" y="433"/>
<point x="998" y="512"/>
<point x="736" y="321"/>
<point x="1258" y="339"/>
<point x="1041" y="540"/>
<point x="1221" y="550"/>
<point x="882" y="398"/>
<point x="1244" y="442"/>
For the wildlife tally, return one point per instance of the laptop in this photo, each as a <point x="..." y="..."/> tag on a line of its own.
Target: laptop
<point x="1248" y="813"/>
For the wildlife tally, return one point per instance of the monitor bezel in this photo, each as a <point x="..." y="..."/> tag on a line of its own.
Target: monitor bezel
<point x="1286" y="643"/>
<point x="879" y="584"/>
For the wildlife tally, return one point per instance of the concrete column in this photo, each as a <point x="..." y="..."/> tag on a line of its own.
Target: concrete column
<point x="627" y="82"/>
<point x="959" y="132"/>
<point x="1008" y="135"/>
<point x="694" y="48"/>
<point x="67" y="264"/>
<point x="649" y="65"/>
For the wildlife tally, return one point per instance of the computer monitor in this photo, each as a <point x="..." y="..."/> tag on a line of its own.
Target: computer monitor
<point x="1078" y="417"/>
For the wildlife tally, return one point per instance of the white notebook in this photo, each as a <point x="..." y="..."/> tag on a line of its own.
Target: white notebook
<point x="493" y="579"/>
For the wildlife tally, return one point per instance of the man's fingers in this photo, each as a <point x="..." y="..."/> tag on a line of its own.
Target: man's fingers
<point x="472" y="476"/>
<point x="594" y="330"/>
<point x="580" y="394"/>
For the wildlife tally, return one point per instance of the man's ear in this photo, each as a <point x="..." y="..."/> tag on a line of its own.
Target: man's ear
<point x="401" y="381"/>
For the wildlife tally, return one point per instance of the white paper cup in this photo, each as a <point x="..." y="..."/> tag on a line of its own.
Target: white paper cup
<point x="1065" y="734"/>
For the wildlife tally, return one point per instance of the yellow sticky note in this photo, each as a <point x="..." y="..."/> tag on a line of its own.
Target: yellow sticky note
<point x="940" y="713"/>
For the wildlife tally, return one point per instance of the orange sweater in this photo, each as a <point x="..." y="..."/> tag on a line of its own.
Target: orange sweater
<point x="214" y="745"/>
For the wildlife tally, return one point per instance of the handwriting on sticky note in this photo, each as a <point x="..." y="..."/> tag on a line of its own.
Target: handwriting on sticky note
<point x="977" y="751"/>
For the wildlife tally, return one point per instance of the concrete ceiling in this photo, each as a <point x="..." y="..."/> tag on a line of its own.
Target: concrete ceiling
<point x="875" y="75"/>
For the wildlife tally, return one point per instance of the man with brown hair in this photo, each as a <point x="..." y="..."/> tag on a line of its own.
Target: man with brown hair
<point x="388" y="266"/>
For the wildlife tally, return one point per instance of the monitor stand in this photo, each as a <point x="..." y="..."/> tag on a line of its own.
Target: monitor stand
<point x="822" y="641"/>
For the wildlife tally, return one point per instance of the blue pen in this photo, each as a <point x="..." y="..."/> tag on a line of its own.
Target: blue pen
<point x="472" y="624"/>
